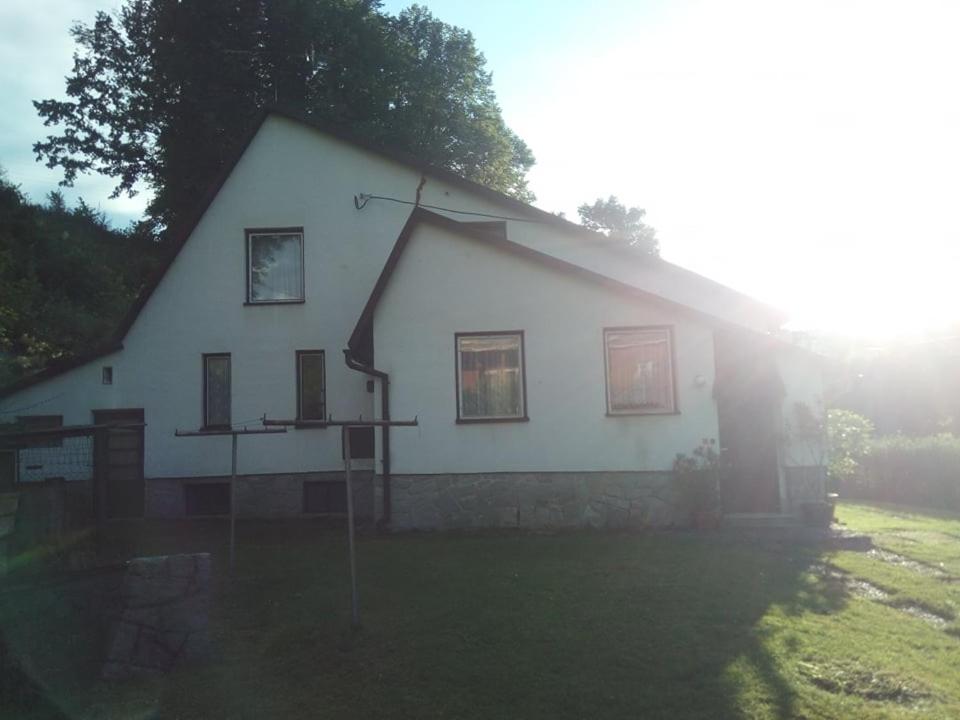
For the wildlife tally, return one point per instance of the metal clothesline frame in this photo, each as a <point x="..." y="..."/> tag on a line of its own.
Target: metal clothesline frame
<point x="212" y="432"/>
<point x="345" y="426"/>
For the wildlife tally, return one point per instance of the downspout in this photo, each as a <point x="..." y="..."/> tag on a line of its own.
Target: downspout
<point x="384" y="378"/>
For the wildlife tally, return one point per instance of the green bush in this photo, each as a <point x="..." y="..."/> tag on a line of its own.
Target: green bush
<point x="697" y="478"/>
<point x="910" y="470"/>
<point x="848" y="440"/>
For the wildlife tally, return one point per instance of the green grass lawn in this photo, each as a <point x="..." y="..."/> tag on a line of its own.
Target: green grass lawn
<point x="920" y="562"/>
<point x="584" y="625"/>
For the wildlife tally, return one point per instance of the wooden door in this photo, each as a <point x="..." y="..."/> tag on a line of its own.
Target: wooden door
<point x="8" y="470"/>
<point x="748" y="392"/>
<point x="123" y="459"/>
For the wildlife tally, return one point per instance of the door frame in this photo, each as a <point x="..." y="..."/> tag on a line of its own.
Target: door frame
<point x="104" y="416"/>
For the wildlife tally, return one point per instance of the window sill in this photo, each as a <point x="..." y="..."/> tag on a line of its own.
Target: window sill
<point x="250" y="303"/>
<point x="642" y="413"/>
<point x="486" y="421"/>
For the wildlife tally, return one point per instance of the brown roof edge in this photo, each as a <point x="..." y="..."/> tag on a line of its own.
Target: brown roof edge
<point x="178" y="235"/>
<point x="775" y="314"/>
<point x="421" y="216"/>
<point x="176" y="238"/>
<point x="60" y="367"/>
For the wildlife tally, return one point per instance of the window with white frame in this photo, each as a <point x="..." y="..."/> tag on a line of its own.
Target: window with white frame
<point x="275" y="265"/>
<point x="639" y="370"/>
<point x="490" y="377"/>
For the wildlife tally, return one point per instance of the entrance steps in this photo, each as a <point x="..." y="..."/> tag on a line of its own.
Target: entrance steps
<point x="761" y="520"/>
<point x="789" y="531"/>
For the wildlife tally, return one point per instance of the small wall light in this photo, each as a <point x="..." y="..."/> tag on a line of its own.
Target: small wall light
<point x="699" y="381"/>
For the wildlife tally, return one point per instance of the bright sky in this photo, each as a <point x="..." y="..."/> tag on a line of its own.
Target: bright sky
<point x="803" y="152"/>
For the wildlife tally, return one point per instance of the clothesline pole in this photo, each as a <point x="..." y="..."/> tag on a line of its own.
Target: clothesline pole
<point x="348" y="471"/>
<point x="345" y="427"/>
<point x="231" y="563"/>
<point x="233" y="504"/>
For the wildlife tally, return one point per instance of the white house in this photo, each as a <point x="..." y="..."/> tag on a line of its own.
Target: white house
<point x="554" y="376"/>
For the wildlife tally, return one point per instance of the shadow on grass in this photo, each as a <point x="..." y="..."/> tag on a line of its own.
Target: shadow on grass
<point x="498" y="625"/>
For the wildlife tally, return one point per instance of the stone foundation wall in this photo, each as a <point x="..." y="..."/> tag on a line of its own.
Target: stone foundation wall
<point x="533" y="500"/>
<point x="257" y="496"/>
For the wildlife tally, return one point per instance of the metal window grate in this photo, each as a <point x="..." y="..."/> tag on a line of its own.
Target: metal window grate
<point x="207" y="498"/>
<point x="324" y="496"/>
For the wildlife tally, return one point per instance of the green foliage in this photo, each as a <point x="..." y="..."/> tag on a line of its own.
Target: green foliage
<point x="162" y="89"/>
<point x="913" y="470"/>
<point x="848" y="442"/>
<point x="697" y="476"/>
<point x="613" y="218"/>
<point x="444" y="109"/>
<point x="66" y="278"/>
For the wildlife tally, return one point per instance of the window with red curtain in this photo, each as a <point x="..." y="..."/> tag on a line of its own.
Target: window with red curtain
<point x="490" y="376"/>
<point x="639" y="370"/>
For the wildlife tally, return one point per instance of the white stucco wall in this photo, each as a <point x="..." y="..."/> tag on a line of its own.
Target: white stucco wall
<point x="445" y="284"/>
<point x="294" y="176"/>
<point x="802" y="376"/>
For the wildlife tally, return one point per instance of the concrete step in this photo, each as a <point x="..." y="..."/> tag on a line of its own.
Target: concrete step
<point x="792" y="533"/>
<point x="761" y="520"/>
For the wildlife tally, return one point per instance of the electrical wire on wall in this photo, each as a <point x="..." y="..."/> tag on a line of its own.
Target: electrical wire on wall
<point x="30" y="407"/>
<point x="360" y="202"/>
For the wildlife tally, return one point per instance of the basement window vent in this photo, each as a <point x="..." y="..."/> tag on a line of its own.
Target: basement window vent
<point x="207" y="498"/>
<point x="324" y="496"/>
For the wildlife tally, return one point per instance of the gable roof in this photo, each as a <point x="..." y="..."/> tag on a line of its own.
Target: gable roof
<point x="180" y="232"/>
<point x="494" y="237"/>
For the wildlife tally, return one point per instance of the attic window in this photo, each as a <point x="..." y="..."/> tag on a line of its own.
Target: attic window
<point x="274" y="265"/>
<point x="106" y="375"/>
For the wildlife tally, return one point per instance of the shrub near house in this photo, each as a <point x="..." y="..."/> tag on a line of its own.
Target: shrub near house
<point x="893" y="468"/>
<point x="913" y="470"/>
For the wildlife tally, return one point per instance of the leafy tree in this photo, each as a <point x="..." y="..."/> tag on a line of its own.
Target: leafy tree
<point x="66" y="278"/>
<point x="848" y="443"/>
<point x="161" y="90"/>
<point x="444" y="108"/>
<point x="613" y="218"/>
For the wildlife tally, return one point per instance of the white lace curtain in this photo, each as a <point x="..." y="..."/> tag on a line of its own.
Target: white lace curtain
<point x="276" y="267"/>
<point x="638" y="371"/>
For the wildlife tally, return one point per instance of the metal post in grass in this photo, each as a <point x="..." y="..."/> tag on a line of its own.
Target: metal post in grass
<point x="233" y="471"/>
<point x="100" y="461"/>
<point x="354" y="594"/>
<point x="233" y="504"/>
<point x="345" y="426"/>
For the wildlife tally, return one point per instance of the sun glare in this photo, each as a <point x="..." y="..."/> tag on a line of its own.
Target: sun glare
<point x="804" y="154"/>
